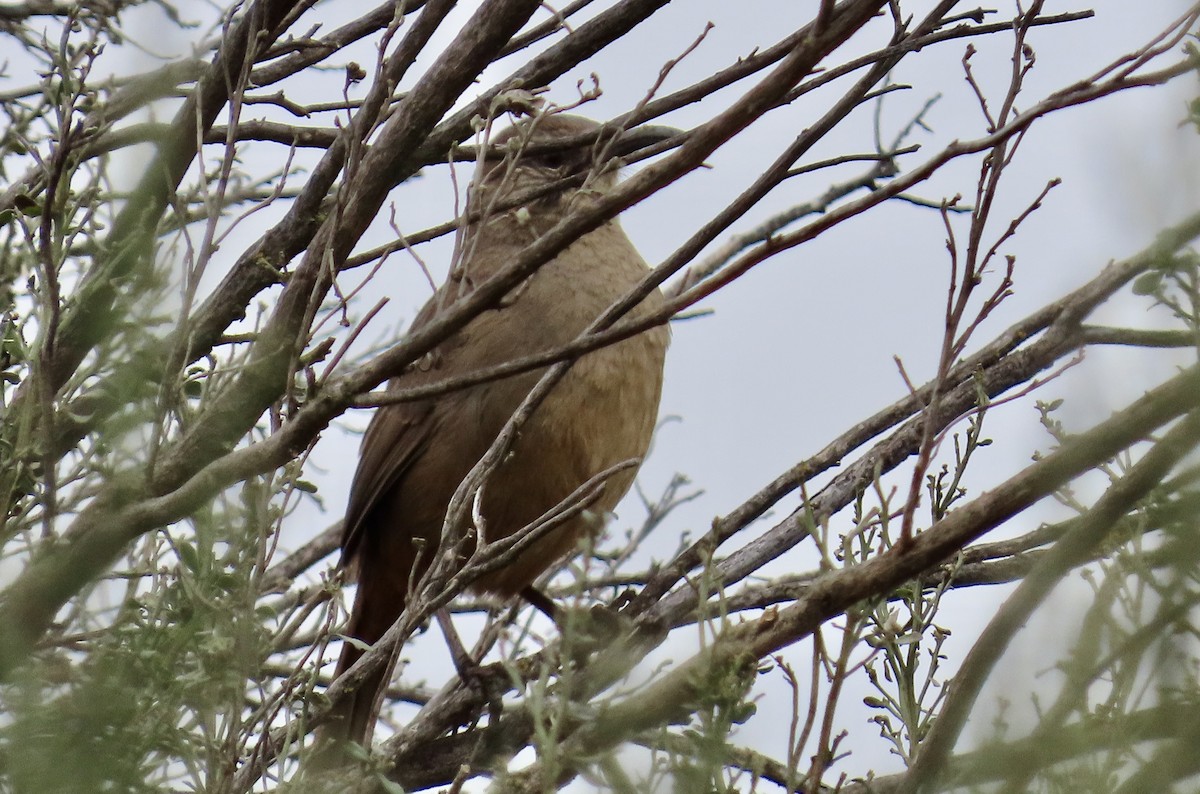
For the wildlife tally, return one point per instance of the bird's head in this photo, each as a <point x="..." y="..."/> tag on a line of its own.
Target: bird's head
<point x="539" y="151"/>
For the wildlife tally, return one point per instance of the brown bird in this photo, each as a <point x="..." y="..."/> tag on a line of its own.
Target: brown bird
<point x="601" y="414"/>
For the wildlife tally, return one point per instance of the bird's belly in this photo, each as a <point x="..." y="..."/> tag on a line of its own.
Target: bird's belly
<point x="600" y="415"/>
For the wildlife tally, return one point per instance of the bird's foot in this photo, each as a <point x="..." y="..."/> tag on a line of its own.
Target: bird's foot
<point x="590" y="627"/>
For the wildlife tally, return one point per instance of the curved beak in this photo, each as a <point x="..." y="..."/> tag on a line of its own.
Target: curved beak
<point x="645" y="137"/>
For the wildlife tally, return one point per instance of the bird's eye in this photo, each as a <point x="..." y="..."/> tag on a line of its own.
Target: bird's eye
<point x="554" y="160"/>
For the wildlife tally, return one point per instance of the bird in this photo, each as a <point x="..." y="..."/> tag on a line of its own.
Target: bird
<point x="602" y="413"/>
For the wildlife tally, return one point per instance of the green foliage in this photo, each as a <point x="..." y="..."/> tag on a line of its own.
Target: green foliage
<point x="161" y="677"/>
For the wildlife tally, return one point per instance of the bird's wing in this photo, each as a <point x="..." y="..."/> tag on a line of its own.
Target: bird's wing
<point x="396" y="436"/>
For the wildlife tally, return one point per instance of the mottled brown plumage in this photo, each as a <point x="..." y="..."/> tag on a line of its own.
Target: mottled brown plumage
<point x="602" y="413"/>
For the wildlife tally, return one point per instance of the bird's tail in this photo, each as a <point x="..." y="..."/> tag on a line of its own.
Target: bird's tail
<point x="353" y="717"/>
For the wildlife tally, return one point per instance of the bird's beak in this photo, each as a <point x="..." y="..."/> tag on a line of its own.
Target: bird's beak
<point x="643" y="137"/>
